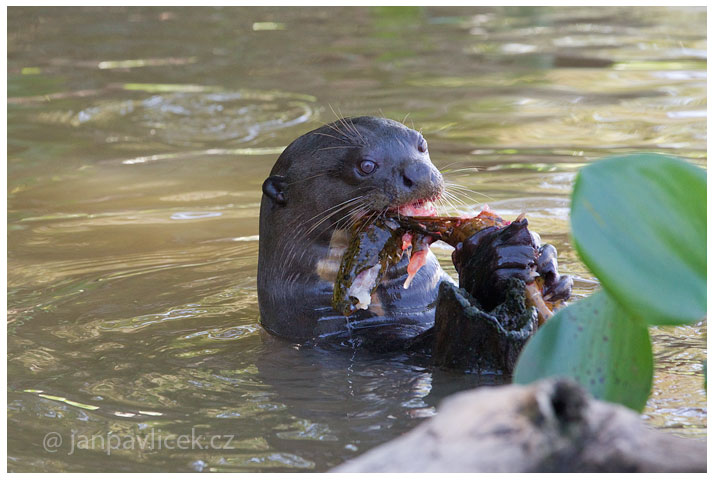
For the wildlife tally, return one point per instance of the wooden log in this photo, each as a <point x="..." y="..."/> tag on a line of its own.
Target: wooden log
<point x="468" y="339"/>
<point x="549" y="426"/>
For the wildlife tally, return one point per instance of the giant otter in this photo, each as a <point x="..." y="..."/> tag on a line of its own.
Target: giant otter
<point x="354" y="167"/>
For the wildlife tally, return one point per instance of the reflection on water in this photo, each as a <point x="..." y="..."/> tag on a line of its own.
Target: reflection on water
<point x="138" y="139"/>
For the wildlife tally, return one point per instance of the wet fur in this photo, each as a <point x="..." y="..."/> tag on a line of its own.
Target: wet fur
<point x="312" y="195"/>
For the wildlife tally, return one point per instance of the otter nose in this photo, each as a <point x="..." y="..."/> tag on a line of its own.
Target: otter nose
<point x="416" y="175"/>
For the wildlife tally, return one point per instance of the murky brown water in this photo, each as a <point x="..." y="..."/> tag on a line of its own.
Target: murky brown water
<point x="138" y="141"/>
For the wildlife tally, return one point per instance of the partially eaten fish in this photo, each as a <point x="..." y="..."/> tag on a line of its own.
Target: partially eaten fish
<point x="375" y="246"/>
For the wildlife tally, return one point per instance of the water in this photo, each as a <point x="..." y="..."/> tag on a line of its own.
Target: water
<point x="137" y="143"/>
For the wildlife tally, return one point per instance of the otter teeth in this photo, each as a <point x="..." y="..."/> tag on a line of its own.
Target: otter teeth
<point x="422" y="208"/>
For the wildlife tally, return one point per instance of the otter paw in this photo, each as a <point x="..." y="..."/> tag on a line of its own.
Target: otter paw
<point x="488" y="259"/>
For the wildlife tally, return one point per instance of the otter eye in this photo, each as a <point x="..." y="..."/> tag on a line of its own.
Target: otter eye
<point x="422" y="145"/>
<point x="367" y="166"/>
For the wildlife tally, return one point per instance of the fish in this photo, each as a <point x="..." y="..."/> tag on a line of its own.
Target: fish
<point x="377" y="245"/>
<point x="373" y="248"/>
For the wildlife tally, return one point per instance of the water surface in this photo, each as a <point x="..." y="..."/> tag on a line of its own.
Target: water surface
<point x="138" y="139"/>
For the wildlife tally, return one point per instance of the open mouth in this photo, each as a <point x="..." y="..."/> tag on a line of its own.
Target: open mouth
<point x="420" y="208"/>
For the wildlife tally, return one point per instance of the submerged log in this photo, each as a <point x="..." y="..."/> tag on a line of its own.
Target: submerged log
<point x="549" y="426"/>
<point x="468" y="338"/>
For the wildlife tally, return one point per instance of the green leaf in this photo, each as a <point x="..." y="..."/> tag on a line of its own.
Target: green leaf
<point x="639" y="224"/>
<point x="597" y="343"/>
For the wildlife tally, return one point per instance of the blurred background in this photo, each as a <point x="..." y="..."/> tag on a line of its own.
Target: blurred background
<point x="138" y="139"/>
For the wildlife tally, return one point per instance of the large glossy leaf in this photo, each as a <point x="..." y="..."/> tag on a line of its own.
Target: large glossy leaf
<point x="597" y="343"/>
<point x="639" y="224"/>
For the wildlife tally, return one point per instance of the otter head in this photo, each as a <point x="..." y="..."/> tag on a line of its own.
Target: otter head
<point x="352" y="167"/>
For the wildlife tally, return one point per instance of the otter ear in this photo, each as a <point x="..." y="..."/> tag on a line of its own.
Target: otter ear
<point x="274" y="187"/>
